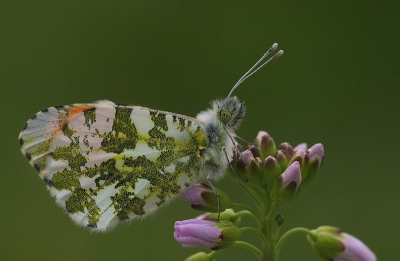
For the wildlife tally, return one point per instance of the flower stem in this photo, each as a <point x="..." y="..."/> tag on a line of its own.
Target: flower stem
<point x="271" y="213"/>
<point x="258" y="232"/>
<point x="249" y="209"/>
<point x="267" y="214"/>
<point x="250" y="247"/>
<point x="255" y="198"/>
<point x="212" y="255"/>
<point x="276" y="233"/>
<point x="288" y="234"/>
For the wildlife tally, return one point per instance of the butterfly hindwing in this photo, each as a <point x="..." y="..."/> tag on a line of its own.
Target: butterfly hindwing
<point x="106" y="163"/>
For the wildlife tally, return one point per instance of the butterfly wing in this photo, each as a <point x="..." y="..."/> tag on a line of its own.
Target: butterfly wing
<point x="105" y="163"/>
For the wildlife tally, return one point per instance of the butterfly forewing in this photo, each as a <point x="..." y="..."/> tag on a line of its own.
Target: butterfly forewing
<point x="107" y="163"/>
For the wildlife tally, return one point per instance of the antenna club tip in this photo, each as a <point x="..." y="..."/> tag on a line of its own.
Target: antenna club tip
<point x="275" y="45"/>
<point x="280" y="52"/>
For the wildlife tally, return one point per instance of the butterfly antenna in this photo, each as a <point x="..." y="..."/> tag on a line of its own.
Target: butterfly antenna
<point x="257" y="67"/>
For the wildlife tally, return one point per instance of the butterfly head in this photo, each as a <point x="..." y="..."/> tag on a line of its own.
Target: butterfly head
<point x="231" y="112"/>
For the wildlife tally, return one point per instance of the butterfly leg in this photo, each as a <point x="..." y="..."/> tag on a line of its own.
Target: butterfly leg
<point x="230" y="165"/>
<point x="233" y="142"/>
<point x="216" y="195"/>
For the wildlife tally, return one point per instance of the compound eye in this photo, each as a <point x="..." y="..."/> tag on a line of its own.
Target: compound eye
<point x="224" y="115"/>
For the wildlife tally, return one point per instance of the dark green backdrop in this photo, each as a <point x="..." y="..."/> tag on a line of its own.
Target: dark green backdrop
<point x="336" y="84"/>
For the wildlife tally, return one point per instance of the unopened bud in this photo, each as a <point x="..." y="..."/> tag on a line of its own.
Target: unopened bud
<point x="282" y="157"/>
<point x="286" y="147"/>
<point x="266" y="144"/>
<point x="271" y="169"/>
<point x="332" y="244"/>
<point x="202" y="197"/>
<point x="286" y="185"/>
<point x="315" y="159"/>
<point x="205" y="233"/>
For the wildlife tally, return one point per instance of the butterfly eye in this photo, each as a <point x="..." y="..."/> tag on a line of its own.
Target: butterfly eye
<point x="224" y="115"/>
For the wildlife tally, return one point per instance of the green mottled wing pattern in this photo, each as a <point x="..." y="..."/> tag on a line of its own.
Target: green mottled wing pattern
<point x="105" y="163"/>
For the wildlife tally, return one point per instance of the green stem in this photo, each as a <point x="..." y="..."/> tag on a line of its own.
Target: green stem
<point x="258" y="232"/>
<point x="212" y="255"/>
<point x="256" y="200"/>
<point x="259" y="193"/>
<point x="266" y="200"/>
<point x="243" y="213"/>
<point x="288" y="234"/>
<point x="276" y="233"/>
<point x="271" y="208"/>
<point x="271" y="213"/>
<point x="267" y="218"/>
<point x="249" y="247"/>
<point x="249" y="209"/>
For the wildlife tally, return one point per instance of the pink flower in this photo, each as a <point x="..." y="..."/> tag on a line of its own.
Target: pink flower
<point x="301" y="146"/>
<point x="354" y="250"/>
<point x="206" y="233"/>
<point x="192" y="195"/>
<point x="202" y="197"/>
<point x="316" y="152"/>
<point x="196" y="232"/>
<point x="285" y="187"/>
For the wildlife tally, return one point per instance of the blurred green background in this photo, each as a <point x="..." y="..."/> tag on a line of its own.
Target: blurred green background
<point x="337" y="84"/>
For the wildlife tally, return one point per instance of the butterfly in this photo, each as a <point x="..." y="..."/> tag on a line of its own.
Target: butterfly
<point x="106" y="163"/>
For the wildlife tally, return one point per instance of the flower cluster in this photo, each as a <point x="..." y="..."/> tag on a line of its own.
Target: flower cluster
<point x="285" y="167"/>
<point x="271" y="176"/>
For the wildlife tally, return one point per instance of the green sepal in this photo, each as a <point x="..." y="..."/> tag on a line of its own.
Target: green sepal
<point x="310" y="172"/>
<point x="288" y="193"/>
<point x="254" y="173"/>
<point x="327" y="241"/>
<point x="229" y="234"/>
<point x="271" y="170"/>
<point x="276" y="187"/>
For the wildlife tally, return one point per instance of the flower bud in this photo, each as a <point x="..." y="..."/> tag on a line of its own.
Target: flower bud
<point x="271" y="170"/>
<point x="248" y="166"/>
<point x="282" y="157"/>
<point x="200" y="256"/>
<point x="355" y="249"/>
<point x="315" y="159"/>
<point x="279" y="220"/>
<point x="301" y="146"/>
<point x="300" y="156"/>
<point x="286" y="185"/>
<point x="330" y="243"/>
<point x="266" y="144"/>
<point x="286" y="147"/>
<point x="202" y="197"/>
<point x="241" y="166"/>
<point x="254" y="150"/>
<point x="204" y="233"/>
